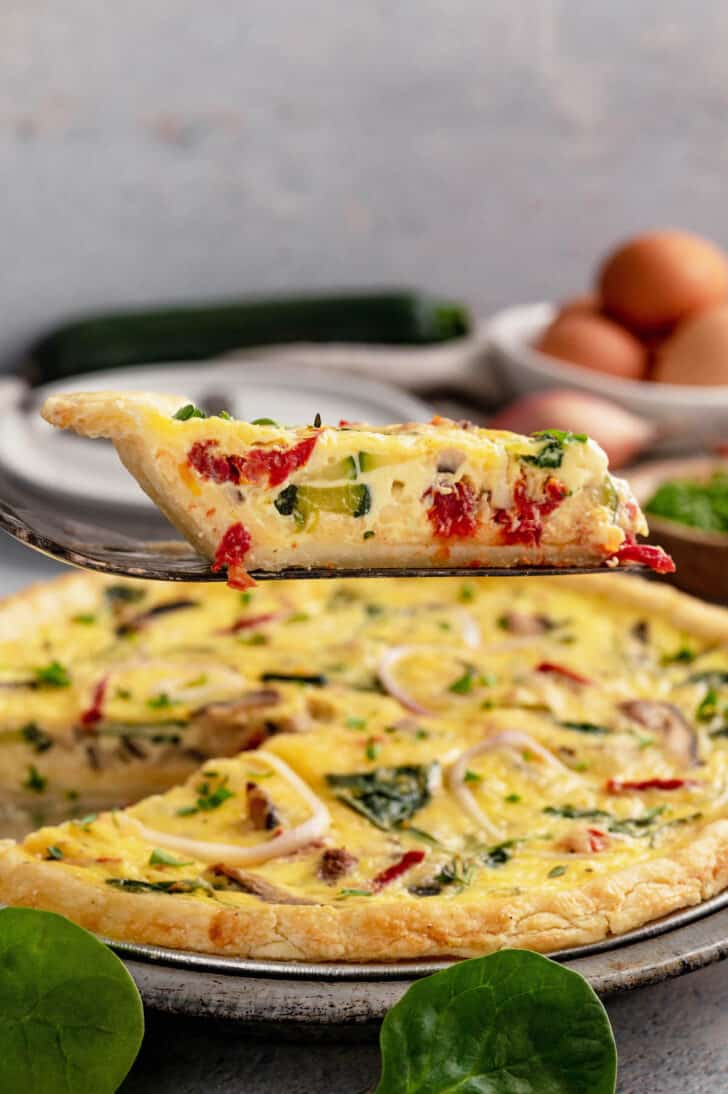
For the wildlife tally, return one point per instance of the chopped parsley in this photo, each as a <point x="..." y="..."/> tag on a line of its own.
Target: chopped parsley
<point x="472" y="777"/>
<point x="53" y="675"/>
<point x="160" y="857"/>
<point x="372" y="749"/>
<point x="188" y="411"/>
<point x="708" y="707"/>
<point x="138" y="885"/>
<point x="557" y="871"/>
<point x="356" y="723"/>
<point x="551" y="453"/>
<point x="354" y="892"/>
<point x="160" y="701"/>
<point x="54" y="852"/>
<point x="207" y="797"/>
<point x="684" y="655"/>
<point x="83" y="617"/>
<point x="466" y="593"/>
<point x="465" y="683"/>
<point x="38" y="738"/>
<point x="512" y="798"/>
<point x="500" y="854"/>
<point x="458" y="872"/>
<point x="35" y="781"/>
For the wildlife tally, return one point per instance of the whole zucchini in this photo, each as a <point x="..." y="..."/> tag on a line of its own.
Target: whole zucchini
<point x="194" y="333"/>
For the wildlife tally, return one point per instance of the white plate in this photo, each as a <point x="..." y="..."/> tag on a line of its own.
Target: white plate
<point x="89" y="471"/>
<point x="687" y="415"/>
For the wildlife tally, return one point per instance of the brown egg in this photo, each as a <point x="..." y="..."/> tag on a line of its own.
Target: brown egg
<point x="658" y="279"/>
<point x="595" y="343"/>
<point x="588" y="304"/>
<point x="697" y="353"/>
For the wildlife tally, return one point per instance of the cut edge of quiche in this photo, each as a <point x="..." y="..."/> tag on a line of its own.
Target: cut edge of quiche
<point x="259" y="496"/>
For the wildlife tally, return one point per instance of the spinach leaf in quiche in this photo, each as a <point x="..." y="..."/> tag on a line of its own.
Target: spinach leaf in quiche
<point x="552" y="452"/>
<point x="513" y="1021"/>
<point x="71" y="1019"/>
<point x="386" y="796"/>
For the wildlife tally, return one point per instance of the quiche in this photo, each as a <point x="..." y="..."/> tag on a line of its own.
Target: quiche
<point x="263" y="497"/>
<point x="462" y="765"/>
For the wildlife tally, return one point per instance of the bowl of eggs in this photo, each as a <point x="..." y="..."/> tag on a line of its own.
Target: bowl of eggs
<point x="652" y="335"/>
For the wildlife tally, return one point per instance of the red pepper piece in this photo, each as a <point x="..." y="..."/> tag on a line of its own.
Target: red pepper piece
<point x="452" y="513"/>
<point x="277" y="463"/>
<point x="618" y="786"/>
<point x="408" y="860"/>
<point x="561" y="670"/>
<point x="653" y="557"/>
<point x="233" y="547"/>
<point x="94" y="713"/>
<point x="274" y="463"/>
<point x="524" y="522"/>
<point x="210" y="464"/>
<point x="249" y="623"/>
<point x="598" y="839"/>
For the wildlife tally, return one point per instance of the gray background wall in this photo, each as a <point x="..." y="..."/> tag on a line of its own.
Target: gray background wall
<point x="157" y="149"/>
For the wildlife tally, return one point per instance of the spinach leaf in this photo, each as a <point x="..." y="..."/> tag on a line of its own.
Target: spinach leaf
<point x="386" y="796"/>
<point x="552" y="452"/>
<point x="510" y="1021"/>
<point x="572" y="813"/>
<point x="71" y="1019"/>
<point x="586" y="727"/>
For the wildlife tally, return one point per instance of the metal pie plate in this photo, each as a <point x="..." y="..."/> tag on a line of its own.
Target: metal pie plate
<point x="331" y="999"/>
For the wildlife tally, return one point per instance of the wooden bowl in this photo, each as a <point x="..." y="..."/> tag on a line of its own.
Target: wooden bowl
<point x="701" y="558"/>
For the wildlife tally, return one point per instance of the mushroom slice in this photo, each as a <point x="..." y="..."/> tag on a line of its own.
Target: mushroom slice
<point x="245" y="882"/>
<point x="679" y="737"/>
<point x="262" y="812"/>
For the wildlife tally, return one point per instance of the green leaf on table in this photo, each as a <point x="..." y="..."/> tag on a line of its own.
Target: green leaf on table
<point x="510" y="1023"/>
<point x="71" y="1020"/>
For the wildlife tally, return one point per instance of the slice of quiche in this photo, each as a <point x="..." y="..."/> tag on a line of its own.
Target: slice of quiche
<point x="259" y="496"/>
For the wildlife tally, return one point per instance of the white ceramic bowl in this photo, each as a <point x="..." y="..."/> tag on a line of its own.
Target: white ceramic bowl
<point x="687" y="416"/>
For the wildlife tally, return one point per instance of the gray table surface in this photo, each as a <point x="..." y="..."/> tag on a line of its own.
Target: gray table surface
<point x="672" y="1038"/>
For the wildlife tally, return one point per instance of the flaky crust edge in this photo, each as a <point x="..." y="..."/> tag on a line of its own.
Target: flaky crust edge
<point x="378" y="929"/>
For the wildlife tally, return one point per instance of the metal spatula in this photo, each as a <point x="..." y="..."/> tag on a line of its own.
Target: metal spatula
<point x="93" y="546"/>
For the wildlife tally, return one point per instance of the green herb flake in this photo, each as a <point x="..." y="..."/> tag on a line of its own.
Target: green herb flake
<point x="499" y="854"/>
<point x="265" y="421"/>
<point x="34" y="780"/>
<point x="188" y="411"/>
<point x="372" y="749"/>
<point x="160" y="701"/>
<point x="354" y="892"/>
<point x="160" y="857"/>
<point x="198" y="682"/>
<point x="208" y="797"/>
<point x="708" y="707"/>
<point x="511" y="1021"/>
<point x="466" y="593"/>
<point x="87" y="821"/>
<point x="122" y="693"/>
<point x="472" y="777"/>
<point x="369" y="534"/>
<point x="53" y="675"/>
<point x="356" y="723"/>
<point x="83" y="617"/>
<point x="225" y="415"/>
<point x="298" y="617"/>
<point x="684" y="655"/>
<point x="512" y="799"/>
<point x="557" y="871"/>
<point x="53" y="852"/>
<point x="36" y="737"/>
<point x="464" y="684"/>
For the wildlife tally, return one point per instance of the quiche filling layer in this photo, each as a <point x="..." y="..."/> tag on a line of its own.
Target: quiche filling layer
<point x="260" y="495"/>
<point x="438" y="744"/>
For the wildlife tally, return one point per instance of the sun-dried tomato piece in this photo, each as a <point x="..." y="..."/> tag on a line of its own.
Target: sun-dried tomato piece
<point x="654" y="557"/>
<point x="524" y="522"/>
<point x="453" y="512"/>
<point x="618" y="786"/>
<point x="94" y="713"/>
<point x="598" y="839"/>
<point x="408" y="860"/>
<point x="230" y="553"/>
<point x="561" y="670"/>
